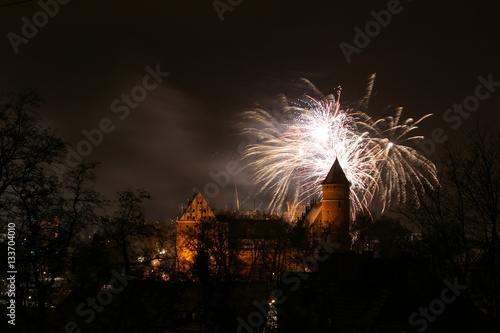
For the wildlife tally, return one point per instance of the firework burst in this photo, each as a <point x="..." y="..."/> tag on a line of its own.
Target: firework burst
<point x="296" y="146"/>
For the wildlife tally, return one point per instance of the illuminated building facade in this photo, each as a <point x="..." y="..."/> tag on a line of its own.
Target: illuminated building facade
<point x="253" y="236"/>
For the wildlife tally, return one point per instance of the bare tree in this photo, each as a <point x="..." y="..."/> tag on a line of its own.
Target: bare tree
<point x="48" y="209"/>
<point x="214" y="253"/>
<point x="130" y="234"/>
<point x="24" y="143"/>
<point x="49" y="215"/>
<point x="383" y="235"/>
<point x="459" y="221"/>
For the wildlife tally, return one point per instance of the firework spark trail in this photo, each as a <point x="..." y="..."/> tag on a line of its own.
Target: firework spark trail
<point x="296" y="147"/>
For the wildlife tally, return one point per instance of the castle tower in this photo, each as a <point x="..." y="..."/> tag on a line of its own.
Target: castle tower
<point x="335" y="207"/>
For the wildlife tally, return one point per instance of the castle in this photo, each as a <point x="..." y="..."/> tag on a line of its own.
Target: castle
<point x="331" y="216"/>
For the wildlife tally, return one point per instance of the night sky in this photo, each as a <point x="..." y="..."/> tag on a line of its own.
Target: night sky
<point x="84" y="58"/>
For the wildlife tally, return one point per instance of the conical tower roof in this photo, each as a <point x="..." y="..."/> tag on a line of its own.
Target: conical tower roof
<point x="336" y="175"/>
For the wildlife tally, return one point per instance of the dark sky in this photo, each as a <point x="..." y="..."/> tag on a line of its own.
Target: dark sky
<point x="84" y="57"/>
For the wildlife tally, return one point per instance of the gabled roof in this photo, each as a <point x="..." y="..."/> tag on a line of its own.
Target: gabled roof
<point x="336" y="175"/>
<point x="198" y="209"/>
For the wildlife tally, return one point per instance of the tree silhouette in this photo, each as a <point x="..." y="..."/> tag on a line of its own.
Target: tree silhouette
<point x="459" y="221"/>
<point x="385" y="236"/>
<point x="130" y="234"/>
<point x="48" y="208"/>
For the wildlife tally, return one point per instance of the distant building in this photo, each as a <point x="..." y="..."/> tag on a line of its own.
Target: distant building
<point x="251" y="234"/>
<point x="197" y="211"/>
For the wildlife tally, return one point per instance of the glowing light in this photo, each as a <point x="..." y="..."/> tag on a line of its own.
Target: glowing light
<point x="296" y="146"/>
